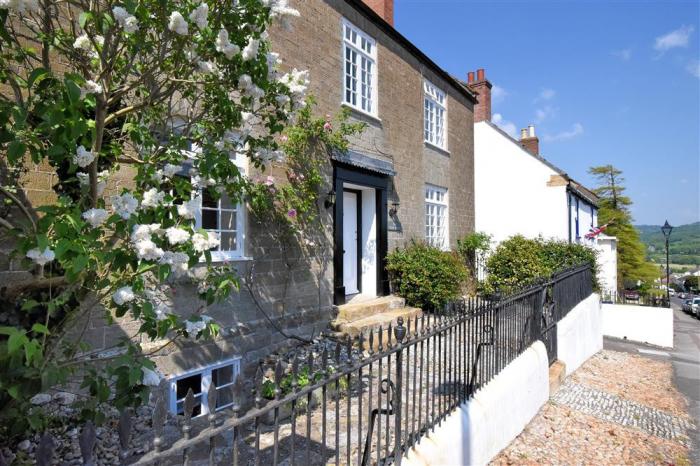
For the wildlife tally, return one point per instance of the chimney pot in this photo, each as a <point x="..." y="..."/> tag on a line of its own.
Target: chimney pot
<point x="529" y="141"/>
<point x="523" y="134"/>
<point x="482" y="89"/>
<point x="531" y="131"/>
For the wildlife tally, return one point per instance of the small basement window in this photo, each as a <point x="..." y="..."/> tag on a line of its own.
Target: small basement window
<point x="222" y="375"/>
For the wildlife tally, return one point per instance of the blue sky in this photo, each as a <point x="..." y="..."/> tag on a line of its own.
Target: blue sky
<point x="603" y="81"/>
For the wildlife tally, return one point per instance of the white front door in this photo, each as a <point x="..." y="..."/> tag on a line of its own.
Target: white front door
<point x="350" y="232"/>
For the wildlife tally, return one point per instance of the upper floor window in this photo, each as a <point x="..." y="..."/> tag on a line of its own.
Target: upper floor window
<point x="436" y="205"/>
<point x="360" y="73"/>
<point x="435" y="113"/>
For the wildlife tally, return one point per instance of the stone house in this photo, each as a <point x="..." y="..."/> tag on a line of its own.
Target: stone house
<point x="408" y="176"/>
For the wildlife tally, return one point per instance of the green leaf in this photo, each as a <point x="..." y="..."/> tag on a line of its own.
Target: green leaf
<point x="16" y="341"/>
<point x="40" y="328"/>
<point x="79" y="263"/>
<point x="73" y="91"/>
<point x="84" y="17"/>
<point x="29" y="304"/>
<point x="15" y="151"/>
<point x="36" y="76"/>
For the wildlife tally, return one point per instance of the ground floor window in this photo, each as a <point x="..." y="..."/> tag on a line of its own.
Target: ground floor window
<point x="436" y="204"/>
<point x="222" y="375"/>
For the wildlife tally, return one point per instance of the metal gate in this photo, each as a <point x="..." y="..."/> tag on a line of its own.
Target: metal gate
<point x="548" y="323"/>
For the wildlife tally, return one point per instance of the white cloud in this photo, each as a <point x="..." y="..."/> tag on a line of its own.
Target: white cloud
<point x="622" y="54"/>
<point x="545" y="94"/>
<point x="575" y="130"/>
<point x="507" y="126"/>
<point x="498" y="93"/>
<point x="677" y="38"/>
<point x="545" y="113"/>
<point x="694" y="68"/>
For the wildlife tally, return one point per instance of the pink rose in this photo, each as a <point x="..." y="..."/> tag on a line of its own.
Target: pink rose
<point x="270" y="181"/>
<point x="327" y="126"/>
<point x="292" y="213"/>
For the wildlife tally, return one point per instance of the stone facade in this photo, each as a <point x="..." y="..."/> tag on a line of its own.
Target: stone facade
<point x="290" y="290"/>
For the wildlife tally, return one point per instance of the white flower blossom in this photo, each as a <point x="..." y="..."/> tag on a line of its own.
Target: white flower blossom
<point x="177" y="235"/>
<point x="189" y="208"/>
<point x="83" y="157"/>
<point x="144" y="231"/>
<point x="178" y="262"/>
<point x="282" y="100"/>
<point x="297" y="81"/>
<point x="207" y="67"/>
<point x="199" y="273"/>
<point x="95" y="217"/>
<point x="150" y="378"/>
<point x="199" y="15"/>
<point x="244" y="82"/>
<point x="123" y="295"/>
<point x="162" y="310"/>
<point x="206" y="242"/>
<point x="84" y="180"/>
<point x="90" y="87"/>
<point x="250" y="51"/>
<point x="224" y="45"/>
<point x="147" y="250"/>
<point x="280" y="10"/>
<point x="82" y="42"/>
<point x="20" y="6"/>
<point x="177" y="24"/>
<point x="126" y="20"/>
<point x="125" y="205"/>
<point x="152" y="198"/>
<point x="41" y="257"/>
<point x="193" y="328"/>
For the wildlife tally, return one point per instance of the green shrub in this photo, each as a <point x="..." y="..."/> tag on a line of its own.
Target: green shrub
<point x="519" y="261"/>
<point x="425" y="276"/>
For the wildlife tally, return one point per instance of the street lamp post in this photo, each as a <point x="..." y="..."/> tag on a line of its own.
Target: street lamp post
<point x="666" y="230"/>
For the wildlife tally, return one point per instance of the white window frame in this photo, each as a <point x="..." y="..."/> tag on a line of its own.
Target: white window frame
<point x="354" y="44"/>
<point x="206" y="381"/>
<point x="227" y="255"/>
<point x="437" y="198"/>
<point x="434" y="115"/>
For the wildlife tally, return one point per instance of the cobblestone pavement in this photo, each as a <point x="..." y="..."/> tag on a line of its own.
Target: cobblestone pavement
<point x="620" y="411"/>
<point x="617" y="409"/>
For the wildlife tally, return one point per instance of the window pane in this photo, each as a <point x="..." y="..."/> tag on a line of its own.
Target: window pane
<point x="228" y="241"/>
<point x="194" y="382"/>
<point x="208" y="200"/>
<point x="210" y="219"/>
<point x="225" y="397"/>
<point x="228" y="220"/>
<point x="222" y="375"/>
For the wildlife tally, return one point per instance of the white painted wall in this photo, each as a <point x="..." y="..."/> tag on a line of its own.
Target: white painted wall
<point x="607" y="263"/>
<point x="480" y="428"/>
<point x="580" y="333"/>
<point x="511" y="195"/>
<point x="653" y="325"/>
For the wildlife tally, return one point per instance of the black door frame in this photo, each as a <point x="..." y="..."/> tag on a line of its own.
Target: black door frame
<point x="348" y="174"/>
<point x="358" y="210"/>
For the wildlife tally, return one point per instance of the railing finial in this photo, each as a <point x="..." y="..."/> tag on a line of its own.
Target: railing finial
<point x="399" y="330"/>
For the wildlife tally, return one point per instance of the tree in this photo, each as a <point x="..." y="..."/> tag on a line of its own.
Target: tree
<point x="691" y="283"/>
<point x="166" y="93"/>
<point x="614" y="210"/>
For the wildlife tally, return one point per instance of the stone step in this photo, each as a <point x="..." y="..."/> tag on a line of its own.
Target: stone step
<point x="557" y="374"/>
<point x="359" y="310"/>
<point x="374" y="322"/>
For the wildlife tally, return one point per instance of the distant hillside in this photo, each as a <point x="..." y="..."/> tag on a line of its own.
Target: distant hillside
<point x="684" y="244"/>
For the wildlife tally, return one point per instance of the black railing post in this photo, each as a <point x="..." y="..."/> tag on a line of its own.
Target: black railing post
<point x="399" y="333"/>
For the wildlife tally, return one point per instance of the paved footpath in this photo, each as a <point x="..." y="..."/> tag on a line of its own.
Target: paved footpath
<point x="628" y="404"/>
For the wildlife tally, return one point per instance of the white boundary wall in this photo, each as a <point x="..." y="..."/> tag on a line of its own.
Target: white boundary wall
<point x="580" y="333"/>
<point x="483" y="426"/>
<point x="653" y="325"/>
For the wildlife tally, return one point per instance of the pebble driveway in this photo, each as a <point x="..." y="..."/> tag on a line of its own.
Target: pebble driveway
<point x="617" y="409"/>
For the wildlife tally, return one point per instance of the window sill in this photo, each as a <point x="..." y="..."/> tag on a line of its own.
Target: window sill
<point x="361" y="113"/>
<point x="436" y="147"/>
<point x="223" y="259"/>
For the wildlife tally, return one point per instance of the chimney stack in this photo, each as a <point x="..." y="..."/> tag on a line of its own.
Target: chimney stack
<point x="529" y="141"/>
<point x="482" y="87"/>
<point x="384" y="8"/>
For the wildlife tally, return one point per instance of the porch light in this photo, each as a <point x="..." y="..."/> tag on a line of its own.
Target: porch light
<point x="394" y="208"/>
<point x="330" y="199"/>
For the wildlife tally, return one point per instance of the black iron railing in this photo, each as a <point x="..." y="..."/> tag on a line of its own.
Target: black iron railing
<point x="368" y="409"/>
